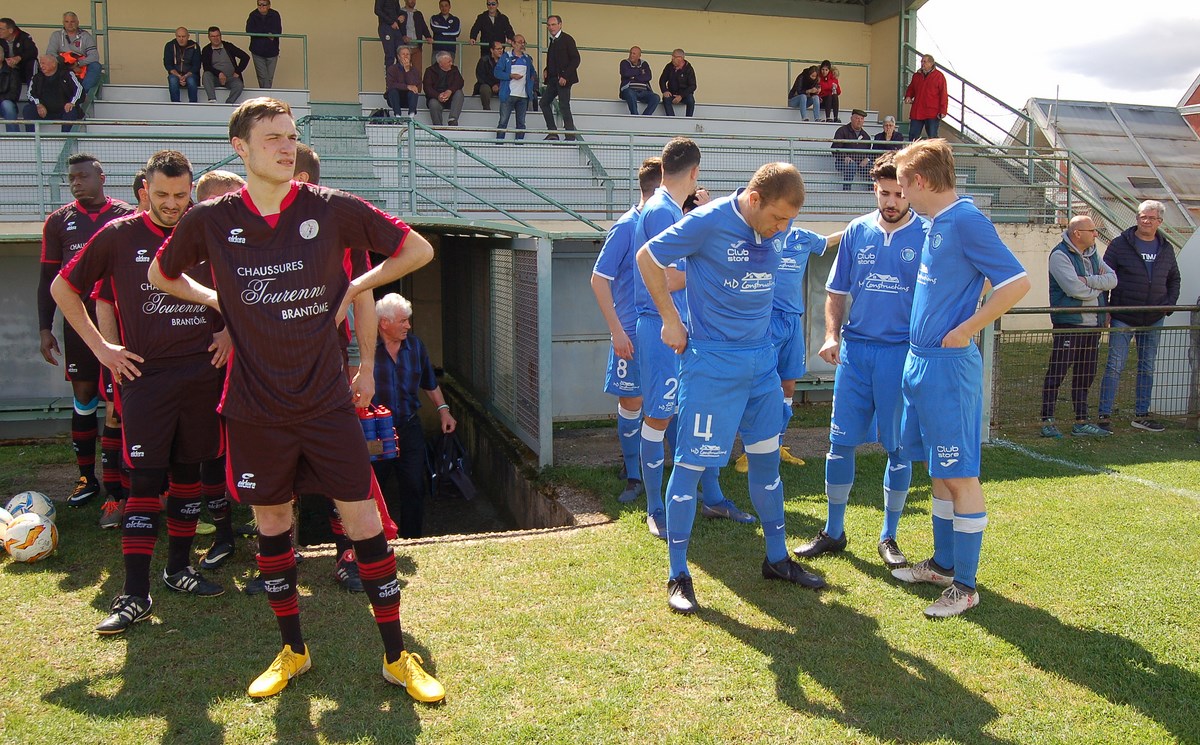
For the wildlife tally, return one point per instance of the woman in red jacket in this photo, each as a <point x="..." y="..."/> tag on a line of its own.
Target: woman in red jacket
<point x="830" y="90"/>
<point x="927" y="94"/>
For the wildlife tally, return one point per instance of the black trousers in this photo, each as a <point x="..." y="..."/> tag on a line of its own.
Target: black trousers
<point x="402" y="479"/>
<point x="1078" y="350"/>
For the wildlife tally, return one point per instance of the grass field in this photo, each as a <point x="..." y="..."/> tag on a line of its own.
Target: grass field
<point x="1088" y="631"/>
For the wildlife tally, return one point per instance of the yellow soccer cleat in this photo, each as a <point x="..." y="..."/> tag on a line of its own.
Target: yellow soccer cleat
<point x="742" y="465"/>
<point x="287" y="665"/>
<point x="785" y="456"/>
<point x="407" y="672"/>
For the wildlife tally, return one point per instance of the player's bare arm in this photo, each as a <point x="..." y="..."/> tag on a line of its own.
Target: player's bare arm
<point x="366" y="330"/>
<point x="995" y="306"/>
<point x="835" y="316"/>
<point x="621" y="343"/>
<point x="113" y="356"/>
<point x="416" y="253"/>
<point x="182" y="287"/>
<point x="674" y="335"/>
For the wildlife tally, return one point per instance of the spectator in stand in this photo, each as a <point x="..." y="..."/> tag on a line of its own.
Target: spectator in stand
<point x="445" y="27"/>
<point x="1080" y="280"/>
<point x="890" y="138"/>
<point x="635" y="83"/>
<point x="518" y="83"/>
<point x="414" y="31"/>
<point x="562" y="72"/>
<point x="491" y="26"/>
<point x="181" y="58"/>
<point x="852" y="150"/>
<point x="486" y="82"/>
<point x="443" y="85"/>
<point x="55" y="93"/>
<point x="391" y="28"/>
<point x="929" y="99"/>
<point x="1147" y="274"/>
<point x="831" y="91"/>
<point x="10" y="95"/>
<point x="263" y="49"/>
<point x="403" y="84"/>
<point x="223" y="65"/>
<point x="805" y="93"/>
<point x="19" y="59"/>
<point x="77" y="47"/>
<point x="678" y="84"/>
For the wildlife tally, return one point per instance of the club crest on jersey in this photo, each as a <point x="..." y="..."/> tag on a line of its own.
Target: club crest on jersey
<point x="778" y="246"/>
<point x="309" y="229"/>
<point x="235" y="236"/>
<point x="936" y="241"/>
<point x="908" y="254"/>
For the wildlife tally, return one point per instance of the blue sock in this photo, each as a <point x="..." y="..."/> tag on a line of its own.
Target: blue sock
<point x="839" y="478"/>
<point x="628" y="424"/>
<point x="766" y="494"/>
<point x="681" y="513"/>
<point x="943" y="533"/>
<point x="711" y="486"/>
<point x="652" y="467"/>
<point x="896" y="480"/>
<point x="968" y="541"/>
<point x="672" y="436"/>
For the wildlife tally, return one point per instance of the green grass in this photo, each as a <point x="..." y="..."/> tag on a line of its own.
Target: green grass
<point x="1087" y="632"/>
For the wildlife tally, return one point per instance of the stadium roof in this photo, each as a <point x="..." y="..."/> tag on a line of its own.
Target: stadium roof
<point x="861" y="11"/>
<point x="1149" y="151"/>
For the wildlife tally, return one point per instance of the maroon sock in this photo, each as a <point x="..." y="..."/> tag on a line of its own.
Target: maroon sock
<point x="277" y="567"/>
<point x="377" y="567"/>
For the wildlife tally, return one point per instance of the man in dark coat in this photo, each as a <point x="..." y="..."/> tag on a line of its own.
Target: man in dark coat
<point x="562" y="72"/>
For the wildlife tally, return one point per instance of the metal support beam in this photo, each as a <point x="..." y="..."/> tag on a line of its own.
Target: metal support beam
<point x="545" y="353"/>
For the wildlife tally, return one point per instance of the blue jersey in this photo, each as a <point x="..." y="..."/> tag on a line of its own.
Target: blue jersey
<point x="617" y="264"/>
<point x="878" y="270"/>
<point x="730" y="271"/>
<point x="961" y="251"/>
<point x="789" y="280"/>
<point x="658" y="213"/>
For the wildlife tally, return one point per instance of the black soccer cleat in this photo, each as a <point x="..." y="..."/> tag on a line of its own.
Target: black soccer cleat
<point x="891" y="554"/>
<point x="789" y="571"/>
<point x="681" y="598"/>
<point x="345" y="573"/>
<point x="85" y="489"/>
<point x="192" y="582"/>
<point x="126" y="611"/>
<point x="822" y="544"/>
<point x="216" y="556"/>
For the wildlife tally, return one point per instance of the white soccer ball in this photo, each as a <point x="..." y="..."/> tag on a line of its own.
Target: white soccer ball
<point x="5" y="518"/>
<point x="32" y="501"/>
<point x="30" y="537"/>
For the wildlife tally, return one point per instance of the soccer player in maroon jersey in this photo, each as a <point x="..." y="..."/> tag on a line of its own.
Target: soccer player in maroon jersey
<point x="65" y="232"/>
<point x="275" y="251"/>
<point x="170" y="385"/>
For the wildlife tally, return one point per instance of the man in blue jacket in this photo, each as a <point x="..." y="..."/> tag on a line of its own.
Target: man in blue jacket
<point x="518" y="79"/>
<point x="1147" y="274"/>
<point x="181" y="58"/>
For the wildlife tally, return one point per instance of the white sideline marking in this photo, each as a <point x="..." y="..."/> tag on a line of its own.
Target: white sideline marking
<point x="1093" y="469"/>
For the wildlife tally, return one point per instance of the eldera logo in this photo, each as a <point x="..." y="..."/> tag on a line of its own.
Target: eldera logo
<point x="143" y="256"/>
<point x="389" y="589"/>
<point x="276" y="585"/>
<point x="135" y="451"/>
<point x="247" y="481"/>
<point x="235" y="236"/>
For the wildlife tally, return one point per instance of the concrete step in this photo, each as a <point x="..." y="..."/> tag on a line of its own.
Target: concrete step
<point x="159" y="94"/>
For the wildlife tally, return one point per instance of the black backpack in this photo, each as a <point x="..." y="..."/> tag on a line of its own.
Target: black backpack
<point x="450" y="469"/>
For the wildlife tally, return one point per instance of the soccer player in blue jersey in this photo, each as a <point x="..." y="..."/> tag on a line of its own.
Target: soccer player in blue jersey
<point x="877" y="268"/>
<point x="612" y="282"/>
<point x="659" y="366"/>
<point x="728" y="381"/>
<point x="943" y="375"/>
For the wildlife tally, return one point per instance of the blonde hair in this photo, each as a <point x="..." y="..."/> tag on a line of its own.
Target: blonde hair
<point x="933" y="160"/>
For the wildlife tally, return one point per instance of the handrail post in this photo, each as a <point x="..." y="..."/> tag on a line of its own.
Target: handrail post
<point x="304" y="49"/>
<point x="1070" y="211"/>
<point x="412" y="166"/>
<point x="987" y="343"/>
<point x="37" y="149"/>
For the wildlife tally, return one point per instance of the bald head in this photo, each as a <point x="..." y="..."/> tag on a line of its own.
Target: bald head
<point x="1082" y="232"/>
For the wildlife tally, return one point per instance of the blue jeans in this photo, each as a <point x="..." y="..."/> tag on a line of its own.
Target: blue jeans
<point x="929" y="125"/>
<point x="193" y="87"/>
<point x="688" y="100"/>
<point x="400" y="99"/>
<point x="645" y="96"/>
<point x="8" y="109"/>
<point x="507" y="107"/>
<point x="91" y="78"/>
<point x="803" y="101"/>
<point x="1118" y="351"/>
<point x="31" y="113"/>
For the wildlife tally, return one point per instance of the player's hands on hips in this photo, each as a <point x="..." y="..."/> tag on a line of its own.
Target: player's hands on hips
<point x="49" y="347"/>
<point x="831" y="351"/>
<point x="674" y="335"/>
<point x="449" y="423"/>
<point x="956" y="338"/>
<point x="120" y="360"/>
<point x="622" y="346"/>
<point x="362" y="388"/>
<point x="221" y="346"/>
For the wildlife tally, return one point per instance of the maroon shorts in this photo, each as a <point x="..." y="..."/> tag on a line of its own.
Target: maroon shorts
<point x="327" y="455"/>
<point x="82" y="365"/>
<point x="169" y="414"/>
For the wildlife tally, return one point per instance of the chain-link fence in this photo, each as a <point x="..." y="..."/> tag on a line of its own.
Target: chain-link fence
<point x="1026" y="362"/>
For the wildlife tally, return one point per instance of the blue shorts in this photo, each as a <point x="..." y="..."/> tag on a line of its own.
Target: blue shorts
<point x="658" y="366"/>
<point x="787" y="334"/>
<point x="867" y="403"/>
<point x="943" y="410"/>
<point x="623" y="378"/>
<point x="726" y="388"/>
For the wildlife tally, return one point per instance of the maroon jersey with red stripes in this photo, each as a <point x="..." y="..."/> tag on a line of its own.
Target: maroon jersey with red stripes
<point x="279" y="281"/>
<point x="154" y="325"/>
<point x="71" y="226"/>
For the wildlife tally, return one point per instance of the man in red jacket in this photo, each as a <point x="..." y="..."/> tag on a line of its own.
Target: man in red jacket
<point x="927" y="94"/>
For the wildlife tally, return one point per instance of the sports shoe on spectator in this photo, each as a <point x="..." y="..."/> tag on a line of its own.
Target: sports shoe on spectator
<point x="656" y="523"/>
<point x="190" y="581"/>
<point x="111" y="513"/>
<point x="727" y="510"/>
<point x="126" y="611"/>
<point x="955" y="599"/>
<point x="407" y="672"/>
<point x="217" y="555"/>
<point x="633" y="489"/>
<point x="1087" y="429"/>
<point x="286" y="665"/>
<point x="345" y="572"/>
<point x="1105" y="424"/>
<point x="1149" y="425"/>
<point x="681" y="597"/>
<point x="83" y="492"/>
<point x="1050" y="429"/>
<point x="925" y="571"/>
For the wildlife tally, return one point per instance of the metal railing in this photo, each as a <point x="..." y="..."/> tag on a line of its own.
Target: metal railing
<point x="1022" y="360"/>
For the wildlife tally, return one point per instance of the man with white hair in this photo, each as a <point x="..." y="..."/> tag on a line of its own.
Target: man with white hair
<point x="78" y="47"/>
<point x="1147" y="274"/>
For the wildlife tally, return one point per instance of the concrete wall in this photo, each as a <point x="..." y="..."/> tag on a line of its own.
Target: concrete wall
<point x="333" y="27"/>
